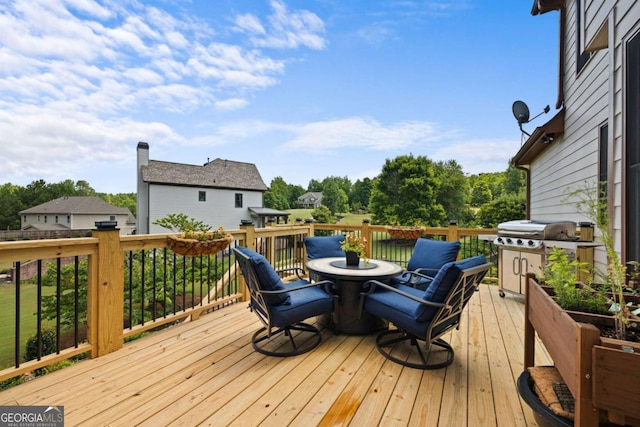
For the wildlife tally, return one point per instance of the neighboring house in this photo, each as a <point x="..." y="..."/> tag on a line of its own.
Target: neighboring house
<point x="595" y="134"/>
<point x="76" y="213"/>
<point x="311" y="200"/>
<point x="218" y="193"/>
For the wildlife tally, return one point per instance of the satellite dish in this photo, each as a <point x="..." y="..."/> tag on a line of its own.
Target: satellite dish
<point x="521" y="112"/>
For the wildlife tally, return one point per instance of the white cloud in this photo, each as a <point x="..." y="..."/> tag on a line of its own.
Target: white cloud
<point x="285" y="30"/>
<point x="51" y="144"/>
<point x="477" y="156"/>
<point x="364" y="133"/>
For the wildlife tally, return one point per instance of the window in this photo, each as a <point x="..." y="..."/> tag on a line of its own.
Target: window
<point x="238" y="200"/>
<point x="112" y="218"/>
<point x="45" y="219"/>
<point x="68" y="219"/>
<point x="202" y="196"/>
<point x="581" y="57"/>
<point x="56" y="219"/>
<point x="603" y="160"/>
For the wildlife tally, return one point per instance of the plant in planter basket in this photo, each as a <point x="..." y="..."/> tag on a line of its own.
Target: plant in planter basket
<point x="592" y="202"/>
<point x="196" y="237"/>
<point x="353" y="244"/>
<point x="404" y="232"/>
<point x="562" y="275"/>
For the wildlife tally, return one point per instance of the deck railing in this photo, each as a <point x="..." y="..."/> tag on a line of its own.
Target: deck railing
<point x="83" y="297"/>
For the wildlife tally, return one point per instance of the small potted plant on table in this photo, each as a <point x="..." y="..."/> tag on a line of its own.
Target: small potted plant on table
<point x="354" y="248"/>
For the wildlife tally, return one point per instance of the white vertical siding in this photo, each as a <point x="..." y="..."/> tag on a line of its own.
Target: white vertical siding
<point x="218" y="209"/>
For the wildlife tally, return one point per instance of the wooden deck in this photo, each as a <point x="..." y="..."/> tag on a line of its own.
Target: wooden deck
<point x="206" y="373"/>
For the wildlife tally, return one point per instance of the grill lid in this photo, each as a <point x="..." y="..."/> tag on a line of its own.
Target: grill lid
<point x="544" y="230"/>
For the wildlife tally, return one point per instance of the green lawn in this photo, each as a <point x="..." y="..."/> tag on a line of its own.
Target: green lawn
<point x="348" y="218"/>
<point x="28" y="297"/>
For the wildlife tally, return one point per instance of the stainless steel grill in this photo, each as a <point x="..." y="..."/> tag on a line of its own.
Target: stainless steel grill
<point x="529" y="234"/>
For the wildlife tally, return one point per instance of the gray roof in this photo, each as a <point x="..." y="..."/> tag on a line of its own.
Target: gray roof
<point x="218" y="173"/>
<point x="315" y="194"/>
<point x="76" y="205"/>
<point x="46" y="227"/>
<point x="268" y="212"/>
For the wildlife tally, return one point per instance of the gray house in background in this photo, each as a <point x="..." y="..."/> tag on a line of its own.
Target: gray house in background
<point x="311" y="200"/>
<point x="76" y="213"/>
<point x="218" y="193"/>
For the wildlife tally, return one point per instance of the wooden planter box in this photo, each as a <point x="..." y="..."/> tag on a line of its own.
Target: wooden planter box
<point x="603" y="374"/>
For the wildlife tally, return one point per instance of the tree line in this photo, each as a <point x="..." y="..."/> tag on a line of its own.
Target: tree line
<point x="412" y="190"/>
<point x="409" y="190"/>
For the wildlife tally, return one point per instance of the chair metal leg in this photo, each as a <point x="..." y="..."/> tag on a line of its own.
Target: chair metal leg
<point x="307" y="338"/>
<point x="386" y="340"/>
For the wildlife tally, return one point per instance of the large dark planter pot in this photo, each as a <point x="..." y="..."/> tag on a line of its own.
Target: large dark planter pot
<point x="544" y="416"/>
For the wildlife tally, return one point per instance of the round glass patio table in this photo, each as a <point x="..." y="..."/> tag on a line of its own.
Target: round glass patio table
<point x="349" y="281"/>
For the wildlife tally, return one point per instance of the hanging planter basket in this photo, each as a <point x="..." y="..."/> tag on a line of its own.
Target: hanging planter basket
<point x="405" y="233"/>
<point x="193" y="247"/>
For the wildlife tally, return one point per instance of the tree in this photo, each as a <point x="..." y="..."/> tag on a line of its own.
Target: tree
<point x="294" y="191"/>
<point x="277" y="195"/>
<point x="360" y="194"/>
<point x="452" y="189"/>
<point x="334" y="198"/>
<point x="405" y="193"/>
<point x="314" y="186"/>
<point x="480" y="194"/>
<point x="11" y="205"/>
<point x="121" y="200"/>
<point x="506" y="208"/>
<point x="514" y="182"/>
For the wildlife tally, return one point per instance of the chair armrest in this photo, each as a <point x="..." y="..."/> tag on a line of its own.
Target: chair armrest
<point x="372" y="284"/>
<point x="323" y="283"/>
<point x="297" y="270"/>
<point x="416" y="275"/>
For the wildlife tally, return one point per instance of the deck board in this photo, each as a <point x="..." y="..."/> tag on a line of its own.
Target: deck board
<point x="206" y="373"/>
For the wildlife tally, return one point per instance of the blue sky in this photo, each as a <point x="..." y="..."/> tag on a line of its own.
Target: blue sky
<point x="303" y="89"/>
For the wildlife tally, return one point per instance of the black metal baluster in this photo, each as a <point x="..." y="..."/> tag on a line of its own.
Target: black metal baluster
<point x="193" y="280"/>
<point x="142" y="285"/>
<point x="175" y="283"/>
<point x="153" y="285"/>
<point x="76" y="308"/>
<point x="58" y="301"/>
<point x="130" y="289"/>
<point x="164" y="283"/>
<point x="39" y="311"/>
<point x="17" y="330"/>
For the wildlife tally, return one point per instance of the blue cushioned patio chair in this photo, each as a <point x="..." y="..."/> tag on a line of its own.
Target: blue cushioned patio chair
<point x="423" y="316"/>
<point x="426" y="260"/>
<point x="324" y="246"/>
<point x="282" y="308"/>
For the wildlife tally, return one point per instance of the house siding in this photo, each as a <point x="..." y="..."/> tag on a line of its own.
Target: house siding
<point x="218" y="209"/>
<point x="593" y="97"/>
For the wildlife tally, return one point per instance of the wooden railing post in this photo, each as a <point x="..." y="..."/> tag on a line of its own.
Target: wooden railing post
<point x="109" y="298"/>
<point x="366" y="233"/>
<point x="452" y="232"/>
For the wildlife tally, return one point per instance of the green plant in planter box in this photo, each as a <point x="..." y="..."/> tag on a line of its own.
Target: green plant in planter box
<point x="562" y="274"/>
<point x="592" y="202"/>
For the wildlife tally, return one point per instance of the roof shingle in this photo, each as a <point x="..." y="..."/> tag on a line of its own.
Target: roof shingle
<point x="217" y="173"/>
